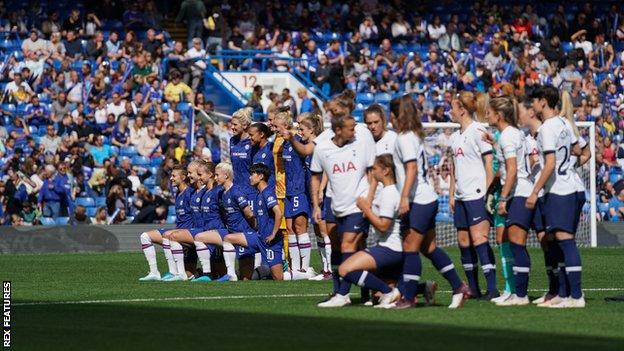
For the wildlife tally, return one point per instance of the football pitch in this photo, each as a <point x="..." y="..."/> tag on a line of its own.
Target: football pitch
<point x="94" y="302"/>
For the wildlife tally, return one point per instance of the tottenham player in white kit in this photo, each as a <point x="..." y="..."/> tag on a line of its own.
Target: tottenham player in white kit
<point x="470" y="180"/>
<point x="346" y="160"/>
<point x="418" y="206"/>
<point x="557" y="143"/>
<point x="516" y="188"/>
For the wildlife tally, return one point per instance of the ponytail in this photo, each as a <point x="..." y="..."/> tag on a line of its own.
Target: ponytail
<point x="567" y="110"/>
<point x="508" y="107"/>
<point x="407" y="115"/>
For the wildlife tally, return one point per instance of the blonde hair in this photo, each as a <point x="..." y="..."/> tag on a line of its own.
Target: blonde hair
<point x="284" y="116"/>
<point x="567" y="110"/>
<point x="313" y="121"/>
<point x="225" y="167"/>
<point x="244" y="116"/>
<point x="481" y="104"/>
<point x="506" y="106"/>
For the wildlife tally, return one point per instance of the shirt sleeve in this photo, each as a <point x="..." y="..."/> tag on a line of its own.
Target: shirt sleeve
<point x="241" y="200"/>
<point x="389" y="203"/>
<point x="270" y="200"/>
<point x="508" y="147"/>
<point x="547" y="139"/>
<point x="407" y="148"/>
<point x="316" y="165"/>
<point x="483" y="146"/>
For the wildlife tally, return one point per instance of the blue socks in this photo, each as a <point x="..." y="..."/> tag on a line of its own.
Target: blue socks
<point x="345" y="285"/>
<point x="521" y="268"/>
<point x="469" y="261"/>
<point x="367" y="280"/>
<point x="444" y="265"/>
<point x="564" y="289"/>
<point x="488" y="265"/>
<point x="552" y="268"/>
<point x="412" y="269"/>
<point x="573" y="266"/>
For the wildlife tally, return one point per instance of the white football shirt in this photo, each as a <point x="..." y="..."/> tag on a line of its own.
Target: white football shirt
<point x="346" y="168"/>
<point x="512" y="144"/>
<point x="468" y="151"/>
<point x="409" y="147"/>
<point x="385" y="145"/>
<point x="580" y="186"/>
<point x="387" y="205"/>
<point x="555" y="136"/>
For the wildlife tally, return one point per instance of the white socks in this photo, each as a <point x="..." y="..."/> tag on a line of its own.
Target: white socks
<point x="229" y="255"/>
<point x="305" y="248"/>
<point x="178" y="257"/>
<point x="169" y="257"/>
<point x="150" y="253"/>
<point x="325" y="249"/>
<point x="203" y="253"/>
<point x="295" y="275"/>
<point x="293" y="252"/>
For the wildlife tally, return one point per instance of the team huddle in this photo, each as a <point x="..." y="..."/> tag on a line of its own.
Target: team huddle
<point x="350" y="180"/>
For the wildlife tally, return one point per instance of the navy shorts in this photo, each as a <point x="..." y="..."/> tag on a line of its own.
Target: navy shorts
<point x="538" y="216"/>
<point x="296" y="205"/>
<point x="326" y="211"/>
<point x="420" y="218"/>
<point x="580" y="199"/>
<point x="254" y="245"/>
<point x="162" y="231"/>
<point x="469" y="213"/>
<point x="353" y="223"/>
<point x="561" y="213"/>
<point x="389" y="263"/>
<point x="272" y="252"/>
<point x="518" y="214"/>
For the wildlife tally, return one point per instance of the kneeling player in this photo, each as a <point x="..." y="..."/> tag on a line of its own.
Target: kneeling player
<point x="183" y="220"/>
<point x="387" y="255"/>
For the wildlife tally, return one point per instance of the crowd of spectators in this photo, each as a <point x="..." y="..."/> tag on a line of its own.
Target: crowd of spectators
<point x="97" y="97"/>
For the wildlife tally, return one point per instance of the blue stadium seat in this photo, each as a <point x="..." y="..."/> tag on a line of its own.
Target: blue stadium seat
<point x="91" y="211"/>
<point x="62" y="220"/>
<point x="171" y="219"/>
<point x="358" y="115"/>
<point x="383" y="98"/>
<point x="100" y="201"/>
<point x="171" y="211"/>
<point x="47" y="221"/>
<point x="156" y="161"/>
<point x="114" y="150"/>
<point x="140" y="161"/>
<point x="444" y="217"/>
<point x="365" y="98"/>
<point x="128" y="151"/>
<point x="33" y="129"/>
<point x="149" y="182"/>
<point x="85" y="201"/>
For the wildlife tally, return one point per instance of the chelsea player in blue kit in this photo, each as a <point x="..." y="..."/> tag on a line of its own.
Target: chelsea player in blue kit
<point x="241" y="151"/>
<point x="184" y="219"/>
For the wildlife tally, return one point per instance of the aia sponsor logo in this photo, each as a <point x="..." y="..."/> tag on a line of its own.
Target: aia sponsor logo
<point x="343" y="167"/>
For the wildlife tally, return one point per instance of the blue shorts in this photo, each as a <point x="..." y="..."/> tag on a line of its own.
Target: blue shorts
<point x="389" y="263"/>
<point x="162" y="231"/>
<point x="327" y="213"/>
<point x="469" y="213"/>
<point x="254" y="245"/>
<point x="518" y="214"/>
<point x="538" y="216"/>
<point x="353" y="223"/>
<point x="296" y="205"/>
<point x="420" y="218"/>
<point x="272" y="252"/>
<point x="561" y="213"/>
<point x="580" y="199"/>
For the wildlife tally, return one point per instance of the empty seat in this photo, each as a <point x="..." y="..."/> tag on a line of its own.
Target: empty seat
<point x="100" y="201"/>
<point x="128" y="151"/>
<point x="85" y="201"/>
<point x="62" y="220"/>
<point x="47" y="221"/>
<point x="141" y="161"/>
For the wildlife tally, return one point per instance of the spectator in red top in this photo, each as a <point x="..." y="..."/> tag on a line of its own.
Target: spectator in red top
<point x="608" y="155"/>
<point x="522" y="25"/>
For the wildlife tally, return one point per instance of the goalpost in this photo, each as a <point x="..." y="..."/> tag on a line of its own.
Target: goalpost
<point x="446" y="233"/>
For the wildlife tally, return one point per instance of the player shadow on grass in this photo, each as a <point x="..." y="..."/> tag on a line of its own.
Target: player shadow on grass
<point x="136" y="327"/>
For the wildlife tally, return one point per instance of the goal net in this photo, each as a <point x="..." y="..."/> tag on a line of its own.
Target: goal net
<point x="436" y="142"/>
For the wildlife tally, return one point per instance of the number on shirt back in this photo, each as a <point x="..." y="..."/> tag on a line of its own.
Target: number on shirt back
<point x="566" y="159"/>
<point x="269" y="254"/>
<point x="296" y="201"/>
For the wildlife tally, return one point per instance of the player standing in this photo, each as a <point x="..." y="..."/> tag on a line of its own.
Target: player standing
<point x="241" y="152"/>
<point x="470" y="180"/>
<point x="516" y="187"/>
<point x="418" y="206"/>
<point x="346" y="160"/>
<point x="557" y="143"/>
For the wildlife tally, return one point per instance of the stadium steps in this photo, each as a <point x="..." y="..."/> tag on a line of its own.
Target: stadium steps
<point x="176" y="30"/>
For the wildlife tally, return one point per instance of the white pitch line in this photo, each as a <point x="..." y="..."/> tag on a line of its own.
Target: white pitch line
<point x="231" y="297"/>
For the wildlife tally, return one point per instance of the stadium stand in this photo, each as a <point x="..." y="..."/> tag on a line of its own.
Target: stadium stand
<point x="95" y="104"/>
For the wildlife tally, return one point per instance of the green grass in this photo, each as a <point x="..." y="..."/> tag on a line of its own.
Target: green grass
<point x="253" y="323"/>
